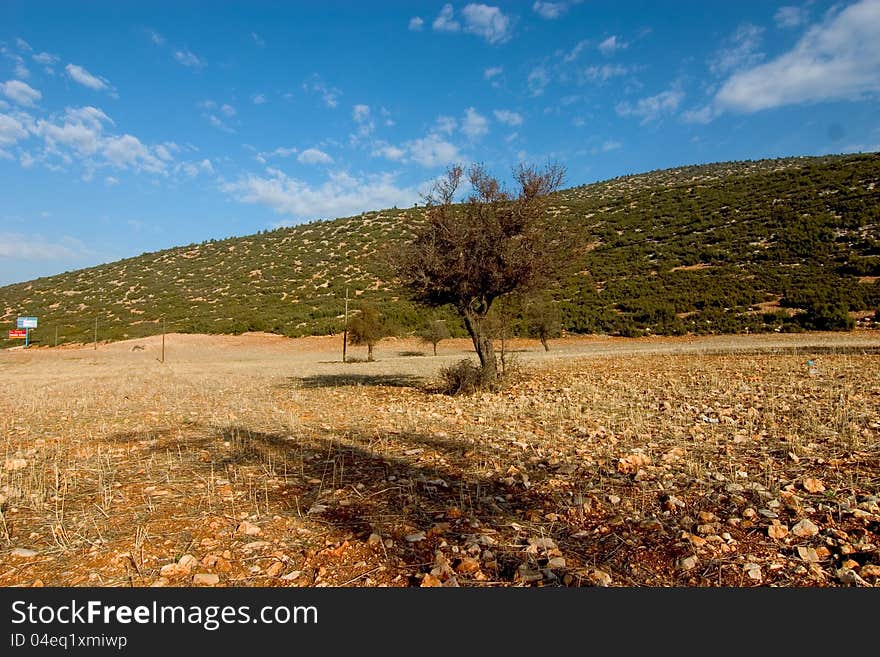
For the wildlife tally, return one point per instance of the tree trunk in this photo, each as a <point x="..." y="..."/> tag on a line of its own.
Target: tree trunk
<point x="482" y="344"/>
<point x="369" y="352"/>
<point x="544" y="342"/>
<point x="435" y="348"/>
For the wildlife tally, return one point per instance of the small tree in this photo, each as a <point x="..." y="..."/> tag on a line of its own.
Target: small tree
<point x="434" y="332"/>
<point x="543" y="321"/>
<point x="366" y="328"/>
<point x="492" y="244"/>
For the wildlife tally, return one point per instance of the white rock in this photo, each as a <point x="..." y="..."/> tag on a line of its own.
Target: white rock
<point x="805" y="529"/>
<point x="24" y="553"/>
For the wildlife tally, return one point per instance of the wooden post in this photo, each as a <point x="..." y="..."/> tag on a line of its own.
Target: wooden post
<point x="163" y="340"/>
<point x="96" y="333"/>
<point x="345" y="330"/>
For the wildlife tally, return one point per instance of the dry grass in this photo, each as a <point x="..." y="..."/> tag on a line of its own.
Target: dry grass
<point x="264" y="460"/>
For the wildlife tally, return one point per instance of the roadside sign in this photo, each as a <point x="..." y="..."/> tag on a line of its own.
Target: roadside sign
<point x="26" y="322"/>
<point x="18" y="333"/>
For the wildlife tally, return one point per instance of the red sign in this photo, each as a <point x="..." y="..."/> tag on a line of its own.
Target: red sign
<point x="17" y="333"/>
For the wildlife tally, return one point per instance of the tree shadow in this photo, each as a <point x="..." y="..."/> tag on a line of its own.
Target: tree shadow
<point x="407" y="354"/>
<point x="339" y="380"/>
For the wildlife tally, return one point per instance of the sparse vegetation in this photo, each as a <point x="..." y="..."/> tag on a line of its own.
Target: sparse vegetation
<point x="729" y="247"/>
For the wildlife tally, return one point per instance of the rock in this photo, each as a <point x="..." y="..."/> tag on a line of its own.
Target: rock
<point x="24" y="553"/>
<point x="805" y="529"/>
<point x="808" y="554"/>
<point x="813" y="485"/>
<point x="777" y="531"/>
<point x="753" y="571"/>
<point x="467" y="566"/>
<point x="871" y="570"/>
<point x="526" y="573"/>
<point x="706" y="517"/>
<point x="248" y="529"/>
<point x="374" y="539"/>
<point x="187" y="561"/>
<point x="429" y="581"/>
<point x="632" y="463"/>
<point x="174" y="570"/>
<point x="415" y="537"/>
<point x="542" y="543"/>
<point x="688" y="563"/>
<point x="556" y="562"/>
<point x="206" y="579"/>
<point x="599" y="578"/>
<point x="672" y="503"/>
<point x="849" y="576"/>
<point x="275" y="569"/>
<point x="15" y="464"/>
<point x="292" y="575"/>
<point x="613" y="499"/>
<point x="705" y="529"/>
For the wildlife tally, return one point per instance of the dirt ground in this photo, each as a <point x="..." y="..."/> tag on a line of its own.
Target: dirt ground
<point x="258" y="460"/>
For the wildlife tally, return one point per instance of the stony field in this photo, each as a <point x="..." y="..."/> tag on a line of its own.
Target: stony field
<point x="258" y="460"/>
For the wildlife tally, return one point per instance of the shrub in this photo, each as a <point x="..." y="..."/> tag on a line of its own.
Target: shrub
<point x="464" y="378"/>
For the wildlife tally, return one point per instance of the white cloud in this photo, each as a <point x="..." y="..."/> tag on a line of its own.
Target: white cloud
<point x="549" y="10"/>
<point x="741" y="52"/>
<point x="48" y="60"/>
<point x="22" y="44"/>
<point x="652" y="108"/>
<point x="192" y="169"/>
<point x="788" y="17"/>
<point x="605" y="72"/>
<point x="228" y="110"/>
<point x="110" y="181"/>
<point x="82" y="76"/>
<point x="389" y="152"/>
<point x="493" y="72"/>
<point x="188" y="58"/>
<point x="445" y="124"/>
<point x="258" y="40"/>
<point x="36" y="247"/>
<point x="258" y="99"/>
<point x="610" y="145"/>
<point x="11" y="130"/>
<point x="611" y="45"/>
<point x="128" y="151"/>
<point x="80" y="135"/>
<point x="330" y="95"/>
<point x="445" y="21"/>
<point x="155" y="37"/>
<point x="508" y="117"/>
<point x="20" y="92"/>
<point x="474" y="124"/>
<point x="416" y="24"/>
<point x="360" y="113"/>
<point x="538" y="80"/>
<point x="314" y="156"/>
<point x="432" y="151"/>
<point x="363" y="117"/>
<point x="700" y="115"/>
<point x="487" y="22"/>
<point x="281" y="151"/>
<point x="342" y="194"/>
<point x="836" y="60"/>
<point x="218" y="123"/>
<point x="481" y="20"/>
<point x="574" y="52"/>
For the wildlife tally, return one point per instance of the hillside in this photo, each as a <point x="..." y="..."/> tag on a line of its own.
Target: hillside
<point x="762" y="245"/>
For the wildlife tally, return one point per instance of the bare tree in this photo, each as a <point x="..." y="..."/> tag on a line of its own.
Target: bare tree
<point x="366" y="328"/>
<point x="493" y="244"/>
<point x="434" y="332"/>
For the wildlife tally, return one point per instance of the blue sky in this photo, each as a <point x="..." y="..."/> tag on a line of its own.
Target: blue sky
<point x="130" y="127"/>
